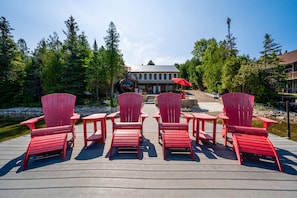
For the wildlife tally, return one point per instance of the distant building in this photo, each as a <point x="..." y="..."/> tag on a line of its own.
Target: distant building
<point x="153" y="79"/>
<point x="290" y="61"/>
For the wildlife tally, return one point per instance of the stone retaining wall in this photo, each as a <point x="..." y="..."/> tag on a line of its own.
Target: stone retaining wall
<point x="30" y="112"/>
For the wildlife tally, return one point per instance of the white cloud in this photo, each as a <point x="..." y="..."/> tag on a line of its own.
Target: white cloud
<point x="138" y="53"/>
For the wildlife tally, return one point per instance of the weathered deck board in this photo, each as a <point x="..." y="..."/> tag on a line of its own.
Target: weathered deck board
<point x="215" y="172"/>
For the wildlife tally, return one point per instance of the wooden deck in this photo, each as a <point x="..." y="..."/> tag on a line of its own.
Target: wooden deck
<point x="215" y="172"/>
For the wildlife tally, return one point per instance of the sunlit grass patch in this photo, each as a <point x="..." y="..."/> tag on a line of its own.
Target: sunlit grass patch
<point x="10" y="128"/>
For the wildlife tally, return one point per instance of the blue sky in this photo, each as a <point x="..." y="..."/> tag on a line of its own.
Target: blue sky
<point x="160" y="30"/>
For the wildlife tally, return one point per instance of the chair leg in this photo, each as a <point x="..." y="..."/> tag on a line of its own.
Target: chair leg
<point x="191" y="150"/>
<point x="280" y="167"/>
<point x="236" y="148"/>
<point x="110" y="152"/>
<point x="64" y="150"/>
<point x="164" y="147"/>
<point x="138" y="149"/>
<point x="26" y="158"/>
<point x="111" y="147"/>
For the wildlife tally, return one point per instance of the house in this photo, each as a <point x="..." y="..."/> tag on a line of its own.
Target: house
<point x="290" y="61"/>
<point x="153" y="79"/>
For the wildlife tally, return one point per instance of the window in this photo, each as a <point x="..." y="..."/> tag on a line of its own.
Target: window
<point x="165" y="76"/>
<point x="155" y="76"/>
<point x="144" y="77"/>
<point x="140" y="77"/>
<point x="150" y="76"/>
<point x="169" y="76"/>
<point x="160" y="76"/>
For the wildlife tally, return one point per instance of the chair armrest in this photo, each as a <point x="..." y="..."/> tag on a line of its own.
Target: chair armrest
<point x="143" y="116"/>
<point x="187" y="116"/>
<point x="52" y="130"/>
<point x="157" y="116"/>
<point x="266" y="121"/>
<point x="74" y="118"/>
<point x="112" y="116"/>
<point x="223" y="116"/>
<point x="31" y="122"/>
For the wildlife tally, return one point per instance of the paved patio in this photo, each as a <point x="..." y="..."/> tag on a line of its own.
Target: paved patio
<point x="215" y="172"/>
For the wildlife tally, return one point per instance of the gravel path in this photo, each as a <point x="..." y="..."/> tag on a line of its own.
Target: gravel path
<point x="201" y="96"/>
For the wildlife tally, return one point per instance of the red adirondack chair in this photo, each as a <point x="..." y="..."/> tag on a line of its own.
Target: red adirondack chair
<point x="59" y="118"/>
<point x="237" y="119"/>
<point x="129" y="128"/>
<point x="171" y="130"/>
<point x="238" y="114"/>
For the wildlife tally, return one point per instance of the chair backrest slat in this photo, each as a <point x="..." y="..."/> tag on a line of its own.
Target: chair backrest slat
<point x="130" y="106"/>
<point x="169" y="105"/>
<point x="58" y="108"/>
<point x="239" y="108"/>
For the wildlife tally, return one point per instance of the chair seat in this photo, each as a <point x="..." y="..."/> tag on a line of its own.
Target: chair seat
<point x="52" y="130"/>
<point x="254" y="144"/>
<point x="173" y="126"/>
<point x="248" y="130"/>
<point x="44" y="144"/>
<point x="128" y="125"/>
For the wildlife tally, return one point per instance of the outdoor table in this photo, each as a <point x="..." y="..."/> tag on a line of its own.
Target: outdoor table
<point x="199" y="130"/>
<point x="98" y="134"/>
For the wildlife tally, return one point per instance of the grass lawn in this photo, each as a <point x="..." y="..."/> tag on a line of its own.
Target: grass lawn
<point x="280" y="129"/>
<point x="11" y="128"/>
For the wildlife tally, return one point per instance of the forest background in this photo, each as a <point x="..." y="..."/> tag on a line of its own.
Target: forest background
<point x="74" y="67"/>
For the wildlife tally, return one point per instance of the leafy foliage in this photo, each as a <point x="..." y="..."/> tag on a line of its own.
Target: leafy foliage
<point x="72" y="66"/>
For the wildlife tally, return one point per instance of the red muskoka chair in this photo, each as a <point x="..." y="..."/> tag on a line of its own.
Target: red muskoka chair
<point x="59" y="118"/>
<point x="238" y="114"/>
<point x="171" y="130"/>
<point x="129" y="128"/>
<point x="237" y="119"/>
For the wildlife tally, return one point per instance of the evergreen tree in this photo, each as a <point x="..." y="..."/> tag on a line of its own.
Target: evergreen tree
<point x="52" y="66"/>
<point x="271" y="73"/>
<point x="24" y="50"/>
<point x="270" y="52"/>
<point x="11" y="66"/>
<point x="73" y="79"/>
<point x="115" y="61"/>
<point x="150" y="63"/>
<point x="232" y="63"/>
<point x="32" y="85"/>
<point x="8" y="48"/>
<point x="96" y="72"/>
<point x="230" y="42"/>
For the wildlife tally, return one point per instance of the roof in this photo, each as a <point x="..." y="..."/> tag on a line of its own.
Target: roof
<point x="288" y="58"/>
<point x="154" y="68"/>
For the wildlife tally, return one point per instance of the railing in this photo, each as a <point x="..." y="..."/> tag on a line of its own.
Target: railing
<point x="292" y="75"/>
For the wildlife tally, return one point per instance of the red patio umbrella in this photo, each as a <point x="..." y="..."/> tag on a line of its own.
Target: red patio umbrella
<point x="182" y="81"/>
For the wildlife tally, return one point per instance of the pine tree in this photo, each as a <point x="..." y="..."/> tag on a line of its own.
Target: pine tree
<point x="8" y="48"/>
<point x="11" y="66"/>
<point x="74" y="80"/>
<point x="150" y="63"/>
<point x="230" y="42"/>
<point x="115" y="61"/>
<point x="96" y="72"/>
<point x="271" y="51"/>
